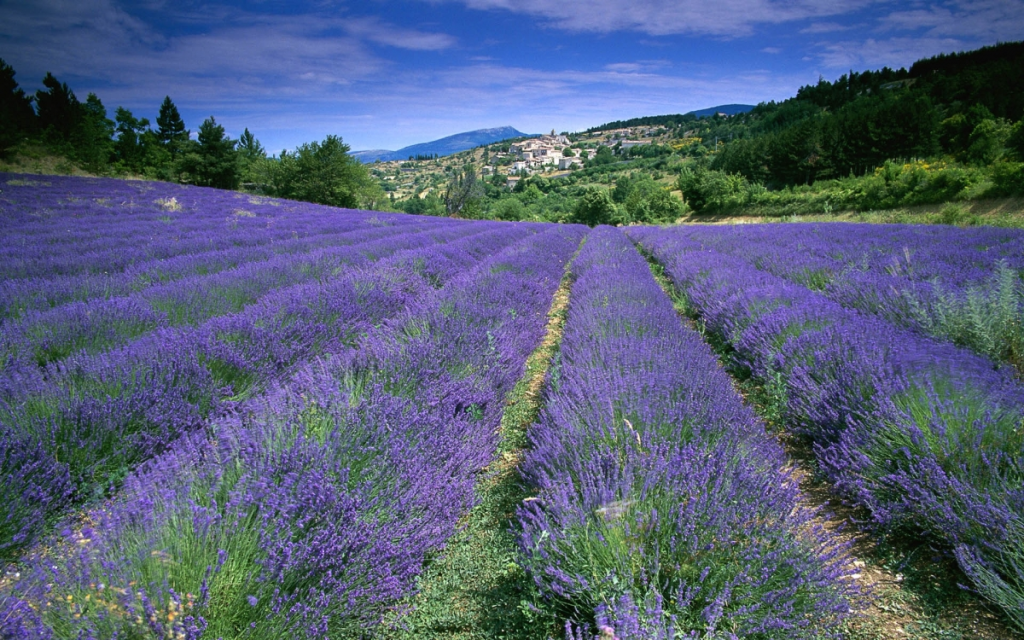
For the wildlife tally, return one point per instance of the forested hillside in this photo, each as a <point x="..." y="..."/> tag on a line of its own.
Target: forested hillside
<point x="948" y="127"/>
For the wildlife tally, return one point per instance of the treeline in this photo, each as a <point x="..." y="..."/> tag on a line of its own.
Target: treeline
<point x="963" y="108"/>
<point x="83" y="133"/>
<point x="671" y="120"/>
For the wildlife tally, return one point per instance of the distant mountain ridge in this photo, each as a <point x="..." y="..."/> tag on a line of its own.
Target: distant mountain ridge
<point x="727" y="109"/>
<point x="443" y="147"/>
<point x="674" y="119"/>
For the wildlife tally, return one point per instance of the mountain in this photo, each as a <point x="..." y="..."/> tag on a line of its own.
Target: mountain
<point x="444" y="146"/>
<point x="727" y="109"/>
<point x="673" y="120"/>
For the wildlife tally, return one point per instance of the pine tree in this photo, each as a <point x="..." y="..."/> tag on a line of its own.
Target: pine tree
<point x="92" y="138"/>
<point x="59" y="110"/>
<point x="213" y="160"/>
<point x="16" y="115"/>
<point x="131" y="136"/>
<point x="249" y="147"/>
<point x="171" y="130"/>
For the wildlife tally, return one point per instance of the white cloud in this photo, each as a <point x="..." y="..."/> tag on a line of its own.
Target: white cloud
<point x="892" y="52"/>
<point x="824" y="27"/>
<point x="376" y="31"/>
<point x="668" y="17"/>
<point x="238" y="57"/>
<point x="984" y="21"/>
<point x="902" y="37"/>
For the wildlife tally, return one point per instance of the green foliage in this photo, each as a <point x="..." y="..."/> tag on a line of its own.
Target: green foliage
<point x="708" y="189"/>
<point x="644" y="200"/>
<point x="593" y="208"/>
<point x="653" y="206"/>
<point x="603" y="156"/>
<point x="1015" y="141"/>
<point x="510" y="209"/>
<point x="91" y="139"/>
<point x="429" y="205"/>
<point x="462" y="192"/>
<point x="955" y="131"/>
<point x="212" y="161"/>
<point x="130" y="146"/>
<point x="324" y="173"/>
<point x="986" y="142"/>
<point x="58" y="110"/>
<point x="170" y="127"/>
<point x="1007" y="178"/>
<point x="16" y="115"/>
<point x="987" y="319"/>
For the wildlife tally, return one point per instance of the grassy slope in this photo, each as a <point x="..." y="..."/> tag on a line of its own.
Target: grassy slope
<point x="1008" y="212"/>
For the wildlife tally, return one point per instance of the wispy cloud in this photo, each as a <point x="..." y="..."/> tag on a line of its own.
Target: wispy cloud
<point x="825" y="27"/>
<point x="900" y="38"/>
<point x="973" y="20"/>
<point x="891" y="52"/>
<point x="668" y="17"/>
<point x="374" y="30"/>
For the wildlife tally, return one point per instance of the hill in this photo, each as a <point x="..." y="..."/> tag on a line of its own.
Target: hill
<point x="444" y="146"/>
<point x="672" y="120"/>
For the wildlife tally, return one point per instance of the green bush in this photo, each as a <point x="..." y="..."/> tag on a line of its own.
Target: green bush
<point x="593" y="208"/>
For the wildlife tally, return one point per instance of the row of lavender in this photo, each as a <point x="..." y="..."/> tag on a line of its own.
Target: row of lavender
<point x="927" y="436"/>
<point x="310" y="513"/>
<point x="74" y="428"/>
<point x="99" y="324"/>
<point x="21" y="296"/>
<point x="663" y="509"/>
<point x="963" y="285"/>
<point x="75" y="226"/>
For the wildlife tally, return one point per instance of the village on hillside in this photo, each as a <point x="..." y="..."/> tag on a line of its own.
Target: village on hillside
<point x="552" y="155"/>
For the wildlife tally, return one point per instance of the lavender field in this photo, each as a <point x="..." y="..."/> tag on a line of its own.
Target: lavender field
<point x="228" y="416"/>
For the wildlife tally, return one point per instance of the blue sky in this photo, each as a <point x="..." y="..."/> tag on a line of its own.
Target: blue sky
<point x="388" y="73"/>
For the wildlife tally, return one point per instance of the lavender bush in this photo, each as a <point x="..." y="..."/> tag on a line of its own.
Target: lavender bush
<point x="961" y="285"/>
<point x="312" y="510"/>
<point x="662" y="508"/>
<point x="926" y="435"/>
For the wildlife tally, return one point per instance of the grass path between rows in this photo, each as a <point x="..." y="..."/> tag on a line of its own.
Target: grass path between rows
<point x="475" y="589"/>
<point x="913" y="592"/>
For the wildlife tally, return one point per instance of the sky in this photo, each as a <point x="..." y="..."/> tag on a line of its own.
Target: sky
<point x="384" y="74"/>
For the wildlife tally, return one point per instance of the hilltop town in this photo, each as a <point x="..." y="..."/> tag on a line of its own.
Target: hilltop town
<point x="551" y="155"/>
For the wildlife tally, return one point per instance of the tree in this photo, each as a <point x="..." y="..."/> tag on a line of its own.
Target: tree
<point x="91" y="140"/>
<point x="593" y="208"/>
<point x="58" y="110"/>
<point x="652" y="204"/>
<point x="429" y="205"/>
<point x="987" y="140"/>
<point x="320" y="172"/>
<point x="253" y="160"/>
<point x="601" y="157"/>
<point x="510" y="209"/>
<point x="129" y="148"/>
<point x="462" y="190"/>
<point x="212" y="161"/>
<point x="623" y="187"/>
<point x="1015" y="142"/>
<point x="249" y="147"/>
<point x="16" y="115"/>
<point x="170" y="127"/>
